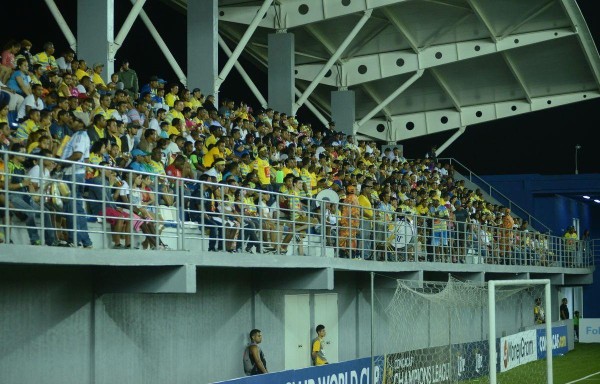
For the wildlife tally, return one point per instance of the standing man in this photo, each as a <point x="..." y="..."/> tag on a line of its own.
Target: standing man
<point x="254" y="359"/>
<point x="318" y="357"/>
<point x="461" y="216"/>
<point x="506" y="238"/>
<point x="539" y="317"/>
<point x="129" y="78"/>
<point x="77" y="149"/>
<point x="564" y="310"/>
<point x="440" y="216"/>
<point x="366" y="222"/>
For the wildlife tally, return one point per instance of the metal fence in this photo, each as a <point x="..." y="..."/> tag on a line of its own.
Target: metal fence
<point x="143" y="210"/>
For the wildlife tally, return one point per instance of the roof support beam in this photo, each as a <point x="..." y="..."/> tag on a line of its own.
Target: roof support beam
<point x="332" y="60"/>
<point x="163" y="47"/>
<point x="444" y="85"/>
<point x="509" y="30"/>
<point x="450" y="140"/>
<point x="295" y="13"/>
<point x="297" y="92"/>
<point x="408" y="126"/>
<point x="403" y="29"/>
<point x="297" y="52"/>
<point x="242" y="43"/>
<point x="62" y="24"/>
<point x="369" y="90"/>
<point x="313" y="108"/>
<point x="511" y="65"/>
<point x="383" y="65"/>
<point x="244" y="74"/>
<point x="388" y="99"/>
<point x="126" y="27"/>
<point x="484" y="20"/>
<point x="442" y="31"/>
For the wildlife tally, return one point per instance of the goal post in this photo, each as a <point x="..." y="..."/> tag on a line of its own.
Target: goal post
<point x="492" y="284"/>
<point x="459" y="331"/>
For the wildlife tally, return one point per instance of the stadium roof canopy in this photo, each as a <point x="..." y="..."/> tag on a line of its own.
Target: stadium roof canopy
<point x="426" y="66"/>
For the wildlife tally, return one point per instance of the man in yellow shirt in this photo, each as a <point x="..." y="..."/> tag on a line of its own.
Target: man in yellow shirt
<point x="317" y="355"/>
<point x="263" y="168"/>
<point x="366" y="222"/>
<point x="172" y="96"/>
<point x="99" y="81"/>
<point x="196" y="99"/>
<point x="45" y="58"/>
<point x="176" y="111"/>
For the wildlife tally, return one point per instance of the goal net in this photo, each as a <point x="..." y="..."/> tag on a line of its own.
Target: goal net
<point x="441" y="332"/>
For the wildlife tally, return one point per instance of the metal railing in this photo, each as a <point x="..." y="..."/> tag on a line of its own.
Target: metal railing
<point x="496" y="194"/>
<point x="133" y="209"/>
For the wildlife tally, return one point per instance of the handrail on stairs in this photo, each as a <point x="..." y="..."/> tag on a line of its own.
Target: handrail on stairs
<point x="493" y="192"/>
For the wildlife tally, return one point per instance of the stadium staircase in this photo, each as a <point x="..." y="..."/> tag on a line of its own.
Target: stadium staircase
<point x="492" y="195"/>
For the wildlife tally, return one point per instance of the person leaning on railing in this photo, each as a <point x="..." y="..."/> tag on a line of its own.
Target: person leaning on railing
<point x="22" y="197"/>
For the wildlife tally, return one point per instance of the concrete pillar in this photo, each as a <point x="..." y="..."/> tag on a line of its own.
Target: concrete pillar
<point x="202" y="45"/>
<point x="95" y="33"/>
<point x="281" y="72"/>
<point x="343" y="110"/>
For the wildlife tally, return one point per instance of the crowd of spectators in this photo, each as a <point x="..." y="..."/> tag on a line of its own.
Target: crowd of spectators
<point x="62" y="108"/>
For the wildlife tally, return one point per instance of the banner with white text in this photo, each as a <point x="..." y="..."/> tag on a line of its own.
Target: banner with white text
<point x="517" y="349"/>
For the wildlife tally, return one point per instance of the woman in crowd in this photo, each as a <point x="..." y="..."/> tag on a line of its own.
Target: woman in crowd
<point x="20" y="81"/>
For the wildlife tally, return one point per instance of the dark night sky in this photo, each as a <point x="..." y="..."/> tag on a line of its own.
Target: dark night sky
<point x="539" y="142"/>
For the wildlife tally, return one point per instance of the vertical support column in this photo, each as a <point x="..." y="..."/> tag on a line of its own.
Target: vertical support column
<point x="343" y="110"/>
<point x="95" y="33"/>
<point x="202" y="45"/>
<point x="281" y="72"/>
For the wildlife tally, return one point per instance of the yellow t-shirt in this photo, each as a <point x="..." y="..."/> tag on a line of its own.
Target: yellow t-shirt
<point x="316" y="347"/>
<point x="173" y="130"/>
<point x="80" y="73"/>
<point x="96" y="79"/>
<point x="210" y="156"/>
<point x="365" y="203"/>
<point x="170" y="99"/>
<point x="174" y="114"/>
<point x="264" y="170"/>
<point x="212" y="139"/>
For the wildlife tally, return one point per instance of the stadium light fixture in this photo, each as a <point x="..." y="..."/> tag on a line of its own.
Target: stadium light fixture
<point x="596" y="201"/>
<point x="586" y="197"/>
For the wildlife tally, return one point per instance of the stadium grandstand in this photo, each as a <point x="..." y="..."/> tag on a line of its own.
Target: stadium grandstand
<point x="149" y="222"/>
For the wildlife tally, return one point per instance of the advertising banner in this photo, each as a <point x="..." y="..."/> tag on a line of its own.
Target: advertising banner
<point x="470" y="360"/>
<point x="517" y="349"/>
<point x="348" y="372"/>
<point x="559" y="341"/>
<point x="421" y="366"/>
<point x="589" y="330"/>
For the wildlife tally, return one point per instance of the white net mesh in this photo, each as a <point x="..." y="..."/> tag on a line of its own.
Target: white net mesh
<point x="438" y="332"/>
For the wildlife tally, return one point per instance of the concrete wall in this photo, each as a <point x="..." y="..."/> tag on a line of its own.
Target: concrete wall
<point x="53" y="329"/>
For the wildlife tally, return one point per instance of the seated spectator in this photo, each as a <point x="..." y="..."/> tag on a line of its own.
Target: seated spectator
<point x="102" y="193"/>
<point x="249" y="223"/>
<point x="20" y="81"/>
<point x="28" y="126"/>
<point x="32" y="101"/>
<point x="132" y="197"/>
<point x="45" y="58"/>
<point x="21" y="199"/>
<point x="9" y="61"/>
<point x="64" y="61"/>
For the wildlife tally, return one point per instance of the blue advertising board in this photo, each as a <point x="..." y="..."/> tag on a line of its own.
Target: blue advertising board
<point x="348" y="372"/>
<point x="559" y="341"/>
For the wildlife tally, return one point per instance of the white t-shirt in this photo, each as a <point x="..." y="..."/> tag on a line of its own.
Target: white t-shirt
<point x="35" y="174"/>
<point x="80" y="142"/>
<point x="30" y="101"/>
